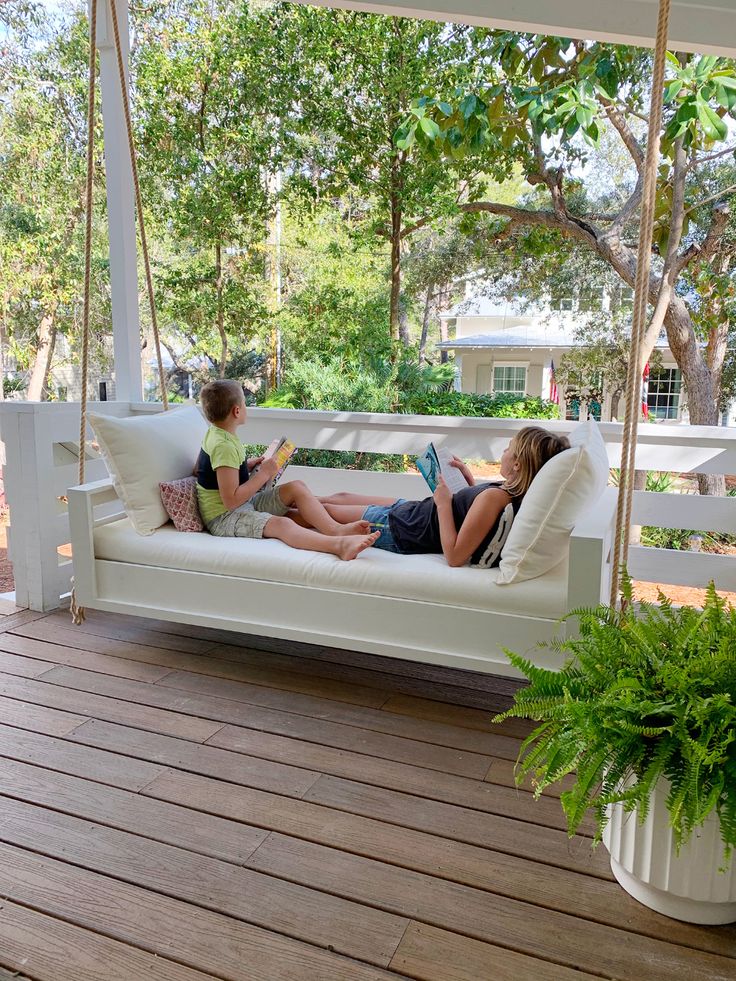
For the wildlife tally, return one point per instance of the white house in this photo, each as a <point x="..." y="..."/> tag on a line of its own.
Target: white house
<point x="506" y="347"/>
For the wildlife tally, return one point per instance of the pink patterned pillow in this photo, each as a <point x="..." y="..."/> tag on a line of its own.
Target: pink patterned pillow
<point x="179" y="497"/>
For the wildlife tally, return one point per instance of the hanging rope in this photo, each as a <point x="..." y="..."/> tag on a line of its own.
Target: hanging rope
<point x="620" y="547"/>
<point x="77" y="611"/>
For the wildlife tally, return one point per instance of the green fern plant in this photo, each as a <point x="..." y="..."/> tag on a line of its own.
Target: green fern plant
<point x="646" y="692"/>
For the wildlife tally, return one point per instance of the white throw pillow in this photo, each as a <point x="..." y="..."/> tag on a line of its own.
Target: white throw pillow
<point x="566" y="486"/>
<point x="143" y="451"/>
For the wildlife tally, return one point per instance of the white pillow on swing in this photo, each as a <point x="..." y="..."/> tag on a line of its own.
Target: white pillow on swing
<point x="567" y="485"/>
<point x="140" y="452"/>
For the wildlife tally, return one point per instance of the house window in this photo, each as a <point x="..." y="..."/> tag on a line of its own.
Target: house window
<point x="509" y="378"/>
<point x="103" y="391"/>
<point x="564" y="303"/>
<point x="590" y="301"/>
<point x="62" y="393"/>
<point x="663" y="397"/>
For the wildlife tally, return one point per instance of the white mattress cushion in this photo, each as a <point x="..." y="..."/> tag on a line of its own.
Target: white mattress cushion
<point x="565" y="487"/>
<point x="426" y="578"/>
<point x="143" y="451"/>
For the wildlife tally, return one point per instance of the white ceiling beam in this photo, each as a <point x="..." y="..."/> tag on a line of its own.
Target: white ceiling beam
<point x="695" y="25"/>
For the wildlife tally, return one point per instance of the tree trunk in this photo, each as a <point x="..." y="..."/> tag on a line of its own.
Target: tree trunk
<point x="395" y="307"/>
<point x="220" y="310"/>
<point x="682" y="340"/>
<point x="403" y="322"/>
<point x="640" y="484"/>
<point x="443" y="331"/>
<point x="425" y="322"/>
<point x="702" y="397"/>
<point x="44" y="354"/>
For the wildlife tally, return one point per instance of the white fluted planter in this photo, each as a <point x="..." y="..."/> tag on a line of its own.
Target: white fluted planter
<point x="687" y="887"/>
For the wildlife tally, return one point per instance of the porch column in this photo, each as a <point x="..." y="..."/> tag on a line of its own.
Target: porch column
<point x="120" y="208"/>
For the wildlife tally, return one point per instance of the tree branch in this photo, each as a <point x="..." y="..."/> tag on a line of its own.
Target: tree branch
<point x="671" y="269"/>
<point x="699" y="161"/>
<point x="713" y="197"/>
<point x="707" y="248"/>
<point x="574" y="227"/>
<point x="625" y="132"/>
<point x="629" y="209"/>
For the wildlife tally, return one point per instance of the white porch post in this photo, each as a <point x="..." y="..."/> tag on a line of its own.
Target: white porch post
<point x="120" y="209"/>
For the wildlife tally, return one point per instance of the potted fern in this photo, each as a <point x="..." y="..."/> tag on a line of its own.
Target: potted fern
<point x="644" y="715"/>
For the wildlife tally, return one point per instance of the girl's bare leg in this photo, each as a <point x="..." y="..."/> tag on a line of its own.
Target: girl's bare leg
<point x="346" y="514"/>
<point x="343" y="546"/>
<point x="296" y="494"/>
<point x="345" y="498"/>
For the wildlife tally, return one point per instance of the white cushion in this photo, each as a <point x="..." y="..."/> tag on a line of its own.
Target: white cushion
<point x="142" y="451"/>
<point x="417" y="577"/>
<point x="564" y="488"/>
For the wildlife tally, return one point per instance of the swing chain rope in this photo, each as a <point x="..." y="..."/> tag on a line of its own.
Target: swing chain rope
<point x="77" y="611"/>
<point x="620" y="548"/>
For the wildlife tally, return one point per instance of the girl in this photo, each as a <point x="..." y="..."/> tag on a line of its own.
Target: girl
<point x="473" y="524"/>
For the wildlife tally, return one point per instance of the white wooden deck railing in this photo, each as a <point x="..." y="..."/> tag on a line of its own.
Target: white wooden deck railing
<point x="41" y="447"/>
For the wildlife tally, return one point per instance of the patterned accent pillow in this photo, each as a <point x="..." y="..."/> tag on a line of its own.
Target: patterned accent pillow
<point x="179" y="497"/>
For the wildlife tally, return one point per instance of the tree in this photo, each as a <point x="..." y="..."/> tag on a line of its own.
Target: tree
<point x="208" y="88"/>
<point x="42" y="172"/>
<point x="360" y="73"/>
<point x="543" y="102"/>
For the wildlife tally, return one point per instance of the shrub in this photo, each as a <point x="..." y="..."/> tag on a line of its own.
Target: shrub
<point x="505" y="406"/>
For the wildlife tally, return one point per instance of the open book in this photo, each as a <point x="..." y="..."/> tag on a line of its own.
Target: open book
<point x="434" y="462"/>
<point x="283" y="450"/>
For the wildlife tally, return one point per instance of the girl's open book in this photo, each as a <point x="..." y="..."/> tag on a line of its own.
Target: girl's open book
<point x="434" y="462"/>
<point x="283" y="450"/>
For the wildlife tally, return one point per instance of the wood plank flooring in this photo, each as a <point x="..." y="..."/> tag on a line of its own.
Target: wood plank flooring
<point x="178" y="804"/>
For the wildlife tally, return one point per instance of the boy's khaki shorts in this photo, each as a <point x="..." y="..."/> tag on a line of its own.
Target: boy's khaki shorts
<point x="249" y="520"/>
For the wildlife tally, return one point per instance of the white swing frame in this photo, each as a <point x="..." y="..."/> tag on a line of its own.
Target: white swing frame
<point x="395" y="626"/>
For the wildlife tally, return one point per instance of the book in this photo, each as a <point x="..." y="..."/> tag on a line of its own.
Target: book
<point x="434" y="462"/>
<point x="283" y="450"/>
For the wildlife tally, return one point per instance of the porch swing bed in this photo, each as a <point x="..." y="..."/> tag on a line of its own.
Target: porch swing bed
<point x="129" y="559"/>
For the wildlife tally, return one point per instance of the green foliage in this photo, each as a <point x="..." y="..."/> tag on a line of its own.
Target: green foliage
<point x="42" y="155"/>
<point x="657" y="481"/>
<point x="645" y="694"/>
<point x="335" y="385"/>
<point x="336" y="303"/>
<point x="502" y="406"/>
<point x="679" y="539"/>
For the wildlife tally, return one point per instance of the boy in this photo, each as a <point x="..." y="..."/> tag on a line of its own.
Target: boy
<point x="234" y="502"/>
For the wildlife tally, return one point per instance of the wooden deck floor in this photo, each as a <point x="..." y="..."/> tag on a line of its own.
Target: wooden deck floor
<point x="173" y="806"/>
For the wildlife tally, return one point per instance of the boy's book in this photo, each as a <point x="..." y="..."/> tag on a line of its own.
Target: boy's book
<point x="434" y="462"/>
<point x="283" y="450"/>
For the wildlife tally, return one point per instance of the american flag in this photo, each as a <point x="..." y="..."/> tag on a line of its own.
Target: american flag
<point x="645" y="392"/>
<point x="554" y="395"/>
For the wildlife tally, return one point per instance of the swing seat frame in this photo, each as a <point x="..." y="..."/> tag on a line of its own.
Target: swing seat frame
<point x="169" y="576"/>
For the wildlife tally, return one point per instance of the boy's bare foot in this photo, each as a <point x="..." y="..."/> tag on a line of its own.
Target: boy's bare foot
<point x="355" y="528"/>
<point x="350" y="546"/>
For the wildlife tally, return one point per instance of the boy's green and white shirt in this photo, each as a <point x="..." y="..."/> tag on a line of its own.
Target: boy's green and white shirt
<point x="219" y="449"/>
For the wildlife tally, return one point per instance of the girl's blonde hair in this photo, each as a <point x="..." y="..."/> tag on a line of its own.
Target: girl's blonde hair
<point x="533" y="446"/>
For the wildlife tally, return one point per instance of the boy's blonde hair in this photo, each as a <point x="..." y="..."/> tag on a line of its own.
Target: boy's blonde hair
<point x="219" y="397"/>
<point x="533" y="447"/>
